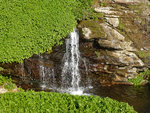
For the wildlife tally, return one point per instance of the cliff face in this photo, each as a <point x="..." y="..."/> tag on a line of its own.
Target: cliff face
<point x="116" y="45"/>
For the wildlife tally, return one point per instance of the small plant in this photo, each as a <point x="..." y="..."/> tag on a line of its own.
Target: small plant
<point x="121" y="25"/>
<point x="103" y="4"/>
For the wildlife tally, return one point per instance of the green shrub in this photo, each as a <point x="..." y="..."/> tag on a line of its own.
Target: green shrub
<point x="1" y="69"/>
<point x="30" y="27"/>
<point x="44" y="102"/>
<point x="7" y="82"/>
<point x="4" y="80"/>
<point x="137" y="80"/>
<point x="10" y="86"/>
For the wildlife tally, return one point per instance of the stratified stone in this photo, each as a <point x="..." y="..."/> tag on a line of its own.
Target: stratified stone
<point x="113" y="21"/>
<point x="111" y="33"/>
<point x="126" y="1"/>
<point x="116" y="44"/>
<point x="126" y="58"/>
<point x="106" y="10"/>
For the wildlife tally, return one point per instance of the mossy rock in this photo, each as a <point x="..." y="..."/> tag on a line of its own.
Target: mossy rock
<point x="94" y="25"/>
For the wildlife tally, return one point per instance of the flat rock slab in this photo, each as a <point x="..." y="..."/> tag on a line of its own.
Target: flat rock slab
<point x="126" y="1"/>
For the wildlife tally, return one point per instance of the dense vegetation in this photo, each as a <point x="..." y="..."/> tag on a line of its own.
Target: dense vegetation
<point x="6" y="83"/>
<point x="43" y="102"/>
<point x="30" y="27"/>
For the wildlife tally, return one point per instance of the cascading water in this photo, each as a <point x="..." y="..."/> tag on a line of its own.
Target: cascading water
<point x="70" y="71"/>
<point x="70" y="80"/>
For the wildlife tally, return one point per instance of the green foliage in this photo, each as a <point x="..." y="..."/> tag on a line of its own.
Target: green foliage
<point x="10" y="86"/>
<point x="103" y="4"/>
<point x="137" y="80"/>
<point x="1" y="69"/>
<point x="30" y="27"/>
<point x="44" y="102"/>
<point x="7" y="82"/>
<point x="143" y="54"/>
<point x="4" y="80"/>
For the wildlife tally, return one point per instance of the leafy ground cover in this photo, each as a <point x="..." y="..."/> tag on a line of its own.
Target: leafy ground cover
<point x="30" y="27"/>
<point x="45" y="102"/>
<point x="7" y="83"/>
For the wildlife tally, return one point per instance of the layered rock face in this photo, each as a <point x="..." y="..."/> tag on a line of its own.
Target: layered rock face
<point x="116" y="45"/>
<point x="113" y="44"/>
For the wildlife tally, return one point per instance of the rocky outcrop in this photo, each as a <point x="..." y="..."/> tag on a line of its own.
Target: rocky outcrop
<point x="114" y="58"/>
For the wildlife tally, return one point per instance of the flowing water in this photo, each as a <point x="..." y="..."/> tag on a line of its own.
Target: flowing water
<point x="71" y="78"/>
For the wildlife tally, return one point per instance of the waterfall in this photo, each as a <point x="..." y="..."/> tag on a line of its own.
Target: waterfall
<point x="70" y="71"/>
<point x="69" y="80"/>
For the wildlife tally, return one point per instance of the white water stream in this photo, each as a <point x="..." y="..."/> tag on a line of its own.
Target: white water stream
<point x="70" y="75"/>
<point x="71" y="79"/>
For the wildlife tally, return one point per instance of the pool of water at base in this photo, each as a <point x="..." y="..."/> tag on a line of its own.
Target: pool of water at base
<point x="138" y="97"/>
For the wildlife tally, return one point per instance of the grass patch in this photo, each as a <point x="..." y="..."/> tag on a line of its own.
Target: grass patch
<point x="45" y="102"/>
